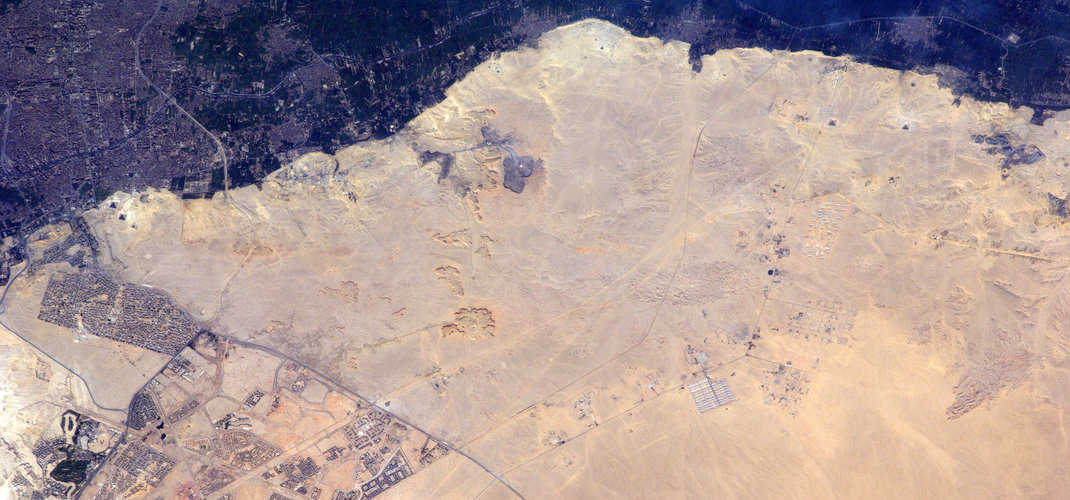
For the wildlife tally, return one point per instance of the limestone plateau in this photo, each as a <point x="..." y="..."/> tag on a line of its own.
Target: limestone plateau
<point x="587" y="258"/>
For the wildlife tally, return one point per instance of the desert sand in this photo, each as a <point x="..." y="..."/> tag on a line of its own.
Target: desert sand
<point x="876" y="268"/>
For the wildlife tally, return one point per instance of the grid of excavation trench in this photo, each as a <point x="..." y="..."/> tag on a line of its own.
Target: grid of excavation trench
<point x="709" y="395"/>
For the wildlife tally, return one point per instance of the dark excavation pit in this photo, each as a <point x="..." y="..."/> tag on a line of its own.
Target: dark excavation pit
<point x="1059" y="207"/>
<point x="1012" y="151"/>
<point x="490" y="135"/>
<point x="445" y="160"/>
<point x="516" y="170"/>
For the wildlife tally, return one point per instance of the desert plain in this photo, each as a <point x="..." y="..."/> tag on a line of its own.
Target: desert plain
<point x="875" y="267"/>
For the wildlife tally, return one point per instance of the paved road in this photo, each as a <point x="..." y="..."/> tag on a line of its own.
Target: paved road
<point x="341" y="387"/>
<point x="170" y="98"/>
<point x="122" y="439"/>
